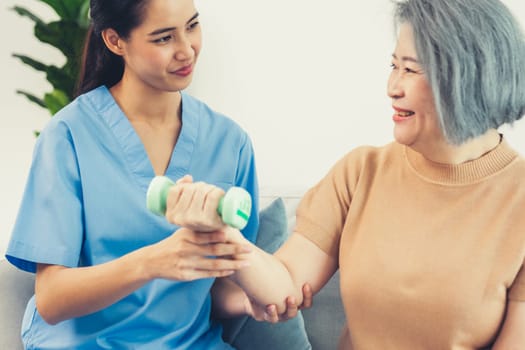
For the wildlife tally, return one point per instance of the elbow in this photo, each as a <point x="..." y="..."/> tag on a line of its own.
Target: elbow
<point x="47" y="311"/>
<point x="283" y="296"/>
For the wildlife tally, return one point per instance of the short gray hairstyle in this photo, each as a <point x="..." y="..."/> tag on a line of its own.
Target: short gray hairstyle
<point x="473" y="54"/>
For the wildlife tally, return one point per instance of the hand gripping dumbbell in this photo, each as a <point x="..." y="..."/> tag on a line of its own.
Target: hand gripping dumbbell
<point x="234" y="207"/>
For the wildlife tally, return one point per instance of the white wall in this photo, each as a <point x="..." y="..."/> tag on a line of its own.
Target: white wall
<point x="306" y="79"/>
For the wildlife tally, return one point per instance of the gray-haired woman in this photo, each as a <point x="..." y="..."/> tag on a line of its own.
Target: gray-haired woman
<point x="427" y="231"/>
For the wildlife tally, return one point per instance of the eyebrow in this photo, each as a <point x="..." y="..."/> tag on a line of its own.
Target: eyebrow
<point x="406" y="58"/>
<point x="169" y="29"/>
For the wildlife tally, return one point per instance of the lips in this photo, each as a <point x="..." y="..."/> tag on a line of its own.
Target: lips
<point x="184" y="71"/>
<point x="402" y="114"/>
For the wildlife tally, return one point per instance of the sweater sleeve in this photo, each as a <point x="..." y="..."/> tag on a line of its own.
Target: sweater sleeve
<point x="322" y="213"/>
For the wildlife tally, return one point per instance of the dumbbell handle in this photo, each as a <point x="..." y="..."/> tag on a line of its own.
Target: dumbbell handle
<point x="234" y="207"/>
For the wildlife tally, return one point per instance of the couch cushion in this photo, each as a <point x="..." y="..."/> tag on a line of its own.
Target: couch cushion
<point x="325" y="319"/>
<point x="246" y="333"/>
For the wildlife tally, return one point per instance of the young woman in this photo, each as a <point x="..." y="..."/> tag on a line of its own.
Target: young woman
<point x="427" y="231"/>
<point x="109" y="274"/>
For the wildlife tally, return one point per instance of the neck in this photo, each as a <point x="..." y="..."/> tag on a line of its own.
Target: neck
<point x="143" y="104"/>
<point x="446" y="153"/>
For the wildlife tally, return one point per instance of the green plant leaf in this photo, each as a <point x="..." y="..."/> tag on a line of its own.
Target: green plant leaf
<point x="66" y="9"/>
<point x="22" y="11"/>
<point x="31" y="62"/>
<point x="32" y="98"/>
<point x="61" y="80"/>
<point x="56" y="100"/>
<point x="66" y="36"/>
<point x="83" y="15"/>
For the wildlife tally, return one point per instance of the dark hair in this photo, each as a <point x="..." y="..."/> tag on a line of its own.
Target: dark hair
<point x="100" y="66"/>
<point x="473" y="53"/>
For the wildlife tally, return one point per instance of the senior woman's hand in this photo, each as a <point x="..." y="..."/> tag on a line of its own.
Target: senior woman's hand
<point x="269" y="313"/>
<point x="194" y="205"/>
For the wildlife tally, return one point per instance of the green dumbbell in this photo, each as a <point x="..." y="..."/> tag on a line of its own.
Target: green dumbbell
<point x="234" y="207"/>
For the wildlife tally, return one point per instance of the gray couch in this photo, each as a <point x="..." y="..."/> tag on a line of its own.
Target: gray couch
<point x="323" y="322"/>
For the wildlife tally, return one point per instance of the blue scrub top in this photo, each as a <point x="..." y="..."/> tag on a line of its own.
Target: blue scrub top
<point x="85" y="204"/>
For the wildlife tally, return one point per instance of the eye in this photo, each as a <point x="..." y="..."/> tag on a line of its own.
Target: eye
<point x="393" y="66"/>
<point x="193" y="25"/>
<point x="409" y="70"/>
<point x="162" y="40"/>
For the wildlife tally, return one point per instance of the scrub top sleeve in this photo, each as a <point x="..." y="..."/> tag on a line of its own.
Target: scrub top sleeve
<point x="246" y="177"/>
<point x="49" y="225"/>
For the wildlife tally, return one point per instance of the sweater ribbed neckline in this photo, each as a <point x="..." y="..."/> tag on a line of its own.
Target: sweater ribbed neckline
<point x="465" y="173"/>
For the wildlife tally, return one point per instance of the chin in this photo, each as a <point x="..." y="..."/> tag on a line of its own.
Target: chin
<point x="177" y="86"/>
<point x="403" y="138"/>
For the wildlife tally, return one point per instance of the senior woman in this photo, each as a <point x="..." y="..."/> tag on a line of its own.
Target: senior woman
<point x="427" y="231"/>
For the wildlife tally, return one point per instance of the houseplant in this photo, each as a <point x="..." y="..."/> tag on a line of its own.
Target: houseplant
<point x="67" y="34"/>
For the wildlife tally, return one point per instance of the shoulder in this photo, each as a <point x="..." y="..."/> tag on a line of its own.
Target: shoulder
<point x="209" y="118"/>
<point x="82" y="108"/>
<point x="372" y="157"/>
<point x="74" y="119"/>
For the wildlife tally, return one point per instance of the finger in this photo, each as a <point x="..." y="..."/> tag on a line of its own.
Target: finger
<point x="230" y="250"/>
<point x="218" y="264"/>
<point x="213" y="196"/>
<point x="193" y="274"/>
<point x="206" y="245"/>
<point x="193" y="207"/>
<point x="173" y="202"/>
<point x="228" y="236"/>
<point x="206" y="201"/>
<point x="200" y="238"/>
<point x="203" y="238"/>
<point x="204" y="204"/>
<point x="185" y="179"/>
<point x="291" y="308"/>
<point x="185" y="196"/>
<point x="307" y="297"/>
<point x="200" y="191"/>
<point x="271" y="314"/>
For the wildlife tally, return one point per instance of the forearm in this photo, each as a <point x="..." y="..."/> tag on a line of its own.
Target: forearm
<point x="268" y="281"/>
<point x="64" y="293"/>
<point x="228" y="299"/>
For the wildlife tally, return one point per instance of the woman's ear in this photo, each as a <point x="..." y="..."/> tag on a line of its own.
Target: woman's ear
<point x="113" y="41"/>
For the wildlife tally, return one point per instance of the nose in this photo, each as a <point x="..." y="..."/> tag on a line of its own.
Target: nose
<point x="184" y="50"/>
<point x="394" y="86"/>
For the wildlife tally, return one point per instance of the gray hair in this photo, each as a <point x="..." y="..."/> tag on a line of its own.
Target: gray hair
<point x="473" y="54"/>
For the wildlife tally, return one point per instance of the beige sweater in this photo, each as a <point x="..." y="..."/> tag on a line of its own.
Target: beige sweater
<point x="428" y="253"/>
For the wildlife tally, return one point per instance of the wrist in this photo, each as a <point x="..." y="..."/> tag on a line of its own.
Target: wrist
<point x="141" y="259"/>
